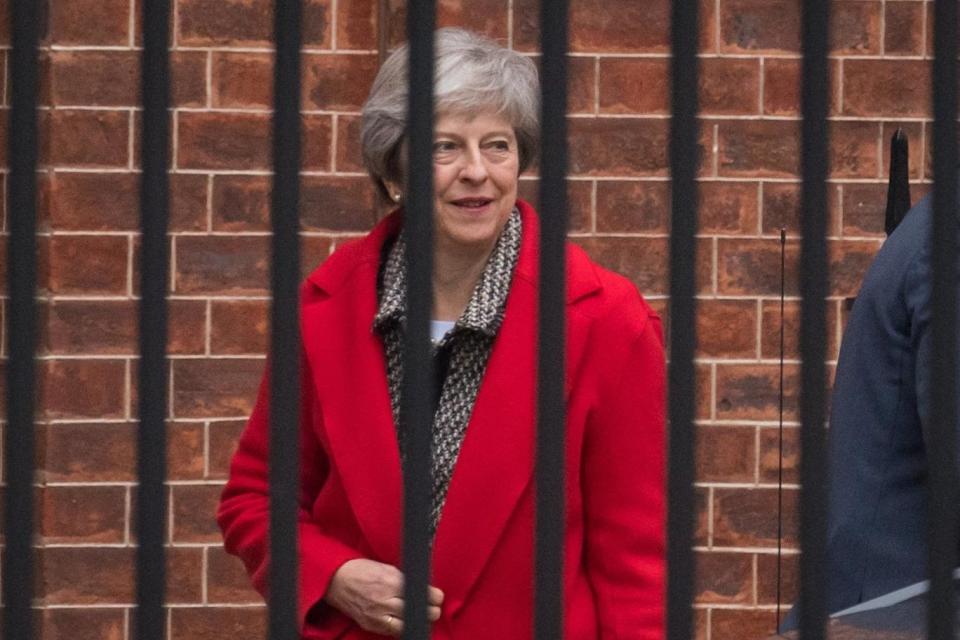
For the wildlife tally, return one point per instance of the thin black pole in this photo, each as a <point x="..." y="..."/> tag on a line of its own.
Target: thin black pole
<point x="684" y="165"/>
<point x="551" y="409"/>
<point x="783" y="289"/>
<point x="813" y="325"/>
<point x="284" y="322"/>
<point x="416" y="406"/>
<point x="22" y="326"/>
<point x="943" y="492"/>
<point x="152" y="372"/>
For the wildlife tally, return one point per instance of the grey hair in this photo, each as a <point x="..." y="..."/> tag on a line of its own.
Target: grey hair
<point x="471" y="74"/>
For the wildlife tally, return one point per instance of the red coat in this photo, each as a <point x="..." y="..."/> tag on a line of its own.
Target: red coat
<point x="350" y="501"/>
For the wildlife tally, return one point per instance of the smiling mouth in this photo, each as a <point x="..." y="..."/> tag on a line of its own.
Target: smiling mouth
<point x="472" y="203"/>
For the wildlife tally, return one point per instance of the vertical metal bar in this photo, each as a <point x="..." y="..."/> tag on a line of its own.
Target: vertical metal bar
<point x="22" y="326"/>
<point x="551" y="409"/>
<point x="684" y="166"/>
<point x="285" y="322"/>
<point x="943" y="491"/>
<point x="152" y="372"/>
<point x="813" y="328"/>
<point x="416" y="406"/>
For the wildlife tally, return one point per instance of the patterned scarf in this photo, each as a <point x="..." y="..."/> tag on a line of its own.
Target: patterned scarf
<point x="469" y="345"/>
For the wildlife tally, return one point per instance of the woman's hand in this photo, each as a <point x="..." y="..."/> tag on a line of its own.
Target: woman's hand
<point x="371" y="593"/>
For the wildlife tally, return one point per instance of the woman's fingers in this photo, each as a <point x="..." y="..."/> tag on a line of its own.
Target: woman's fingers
<point x="392" y="625"/>
<point x="434" y="596"/>
<point x="433" y="614"/>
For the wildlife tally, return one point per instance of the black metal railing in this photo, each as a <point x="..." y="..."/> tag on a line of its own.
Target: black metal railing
<point x="19" y="446"/>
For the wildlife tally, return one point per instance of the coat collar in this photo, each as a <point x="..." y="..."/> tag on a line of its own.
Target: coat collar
<point x="496" y="461"/>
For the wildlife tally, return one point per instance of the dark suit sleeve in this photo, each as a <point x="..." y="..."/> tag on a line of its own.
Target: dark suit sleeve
<point x="244" y="511"/>
<point x="917" y="294"/>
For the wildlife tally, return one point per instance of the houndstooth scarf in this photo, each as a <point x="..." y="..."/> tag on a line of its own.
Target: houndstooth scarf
<point x="469" y="344"/>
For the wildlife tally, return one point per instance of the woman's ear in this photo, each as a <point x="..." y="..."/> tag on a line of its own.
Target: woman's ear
<point x="394" y="192"/>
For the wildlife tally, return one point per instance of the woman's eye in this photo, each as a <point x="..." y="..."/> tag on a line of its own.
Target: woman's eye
<point x="443" y="147"/>
<point x="500" y="145"/>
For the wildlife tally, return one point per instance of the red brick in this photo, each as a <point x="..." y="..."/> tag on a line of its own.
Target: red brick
<point x="242" y="80"/>
<point x="770" y="463"/>
<point x="82" y="388"/>
<point x="619" y="26"/>
<point x="349" y="149"/>
<point x="781" y="208"/>
<point x="245" y="23"/>
<point x="767" y="579"/>
<point x="223" y="442"/>
<point x="726" y="454"/>
<point x="854" y="149"/>
<point x="84" y="623"/>
<point x="643" y="260"/>
<point x="701" y="531"/>
<point x="317" y="139"/>
<point x="618" y="147"/>
<point x="110" y="202"/>
<point x="337" y="82"/>
<point x="752" y="266"/>
<point x="703" y="374"/>
<point x="864" y="209"/>
<point x="760" y="26"/>
<point x="770" y="330"/>
<point x="218" y="623"/>
<point x="752" y="391"/>
<point x="727" y="328"/>
<point x="886" y="87"/>
<point x="729" y="86"/>
<point x="903" y="22"/>
<point x="357" y="24"/>
<point x="90" y="22"/>
<point x="89" y="138"/>
<point x="239" y="327"/>
<point x="227" y="580"/>
<point x="109" y="327"/>
<point x="855" y="27"/>
<point x="632" y="205"/>
<point x="75" y="575"/>
<point x="83" y="514"/>
<point x="748" y="517"/>
<point x="728" y="207"/>
<point x="759" y="148"/>
<point x="241" y="203"/>
<point x="579" y="201"/>
<point x="781" y="86"/>
<point x="724" y="578"/>
<point x="634" y="85"/>
<point x="215" y="387"/>
<point x="223" y="141"/>
<point x="87" y="452"/>
<point x="315" y="249"/>
<point x="582" y="84"/>
<point x="222" y="265"/>
<point x="487" y="17"/>
<point x="914" y="133"/>
<point x="727" y="624"/>
<point x="185" y="451"/>
<point x="194" y="509"/>
<point x="87" y="264"/>
<point x="849" y="261"/>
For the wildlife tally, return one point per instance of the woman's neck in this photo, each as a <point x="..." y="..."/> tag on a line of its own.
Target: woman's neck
<point x="456" y="271"/>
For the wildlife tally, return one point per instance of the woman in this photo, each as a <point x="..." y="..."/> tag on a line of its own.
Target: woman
<point x="484" y="329"/>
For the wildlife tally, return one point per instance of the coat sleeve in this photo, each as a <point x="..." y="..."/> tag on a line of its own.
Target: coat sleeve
<point x="244" y="511"/>
<point x="623" y="486"/>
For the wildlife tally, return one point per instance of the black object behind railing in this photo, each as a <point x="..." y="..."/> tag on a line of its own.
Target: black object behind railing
<point x="898" y="187"/>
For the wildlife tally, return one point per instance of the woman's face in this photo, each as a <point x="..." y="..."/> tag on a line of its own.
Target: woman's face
<point x="476" y="167"/>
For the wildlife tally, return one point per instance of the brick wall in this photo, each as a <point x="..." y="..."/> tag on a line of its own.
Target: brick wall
<point x="219" y="294"/>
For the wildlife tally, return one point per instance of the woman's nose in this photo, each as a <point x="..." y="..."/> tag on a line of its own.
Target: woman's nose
<point x="474" y="169"/>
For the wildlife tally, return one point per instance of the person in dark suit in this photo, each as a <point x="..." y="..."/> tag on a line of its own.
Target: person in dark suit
<point x="880" y="410"/>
